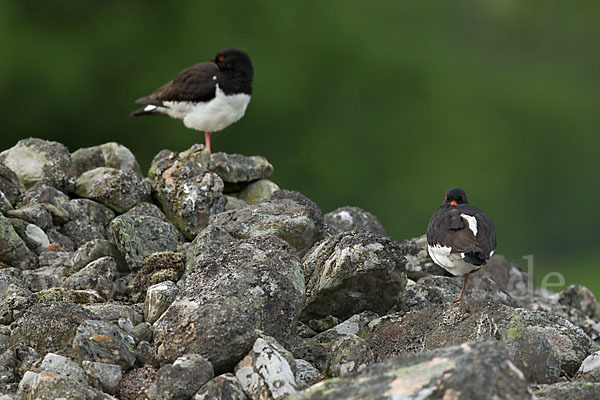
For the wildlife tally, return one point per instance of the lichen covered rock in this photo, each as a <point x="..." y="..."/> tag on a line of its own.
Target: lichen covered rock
<point x="346" y="219"/>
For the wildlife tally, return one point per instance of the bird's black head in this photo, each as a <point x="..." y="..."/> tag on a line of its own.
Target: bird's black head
<point x="455" y="196"/>
<point x="236" y="61"/>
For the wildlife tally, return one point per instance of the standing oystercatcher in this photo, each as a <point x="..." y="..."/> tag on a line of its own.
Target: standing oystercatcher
<point x="208" y="96"/>
<point x="460" y="238"/>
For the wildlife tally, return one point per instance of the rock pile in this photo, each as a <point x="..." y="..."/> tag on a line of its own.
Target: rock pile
<point x="204" y="280"/>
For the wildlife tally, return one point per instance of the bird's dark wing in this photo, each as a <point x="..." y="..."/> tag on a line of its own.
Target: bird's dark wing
<point x="195" y="84"/>
<point x="447" y="228"/>
<point x="486" y="234"/>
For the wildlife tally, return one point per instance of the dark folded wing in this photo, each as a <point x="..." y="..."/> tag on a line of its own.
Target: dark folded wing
<point x="195" y="84"/>
<point x="447" y="228"/>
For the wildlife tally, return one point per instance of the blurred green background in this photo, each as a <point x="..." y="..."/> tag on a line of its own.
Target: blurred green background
<point x="378" y="104"/>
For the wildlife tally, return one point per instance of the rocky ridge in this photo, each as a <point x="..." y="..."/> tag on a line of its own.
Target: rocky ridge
<point x="204" y="280"/>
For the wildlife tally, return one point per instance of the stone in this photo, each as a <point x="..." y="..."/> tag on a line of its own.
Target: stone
<point x="114" y="312"/>
<point x="182" y="379"/>
<point x="234" y="203"/>
<point x="349" y="354"/>
<point x="323" y="324"/>
<point x="134" y="384"/>
<point x="207" y="244"/>
<point x="589" y="371"/>
<point x="345" y="219"/>
<point x="222" y="387"/>
<point x="35" y="214"/>
<point x="146" y="354"/>
<point x="579" y="297"/>
<point x="117" y="189"/>
<point x="13" y="250"/>
<point x="545" y="336"/>
<point x="57" y="364"/>
<point x="104" y="342"/>
<point x="306" y="374"/>
<point x="287" y="219"/>
<point x="49" y="327"/>
<point x="34" y="160"/>
<point x="235" y="168"/>
<point x="471" y="371"/>
<point x="258" y="192"/>
<point x="54" y="386"/>
<point x="95" y="249"/>
<point x="158" y="267"/>
<point x="357" y="265"/>
<point x="111" y="155"/>
<point x="265" y="373"/>
<point x="158" y="298"/>
<point x="260" y="277"/>
<point x="568" y="391"/>
<point x="105" y="377"/>
<point x="52" y="199"/>
<point x="138" y="237"/>
<point x="418" y="262"/>
<point x="99" y="275"/>
<point x="147" y="209"/>
<point x="351" y="326"/>
<point x="142" y="332"/>
<point x="186" y="191"/>
<point x="88" y="220"/>
<point x="10" y="185"/>
<point x="222" y="333"/>
<point x="5" y="205"/>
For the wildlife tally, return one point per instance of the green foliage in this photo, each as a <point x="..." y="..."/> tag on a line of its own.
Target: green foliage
<point x="383" y="105"/>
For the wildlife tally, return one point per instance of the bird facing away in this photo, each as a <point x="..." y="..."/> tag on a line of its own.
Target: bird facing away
<point x="208" y="96"/>
<point x="460" y="238"/>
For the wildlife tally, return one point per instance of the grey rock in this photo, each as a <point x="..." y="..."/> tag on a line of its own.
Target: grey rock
<point x="235" y="168"/>
<point x="471" y="371"/>
<point x="5" y="205"/>
<point x="142" y="332"/>
<point x="220" y="332"/>
<point x="36" y="238"/>
<point x="447" y="324"/>
<point x="568" y="391"/>
<point x="112" y="155"/>
<point x="57" y="364"/>
<point x="134" y="384"/>
<point x="287" y="219"/>
<point x="113" y="312"/>
<point x="99" y="275"/>
<point x="146" y="354"/>
<point x="49" y="197"/>
<point x="312" y="351"/>
<point x="10" y="184"/>
<point x="51" y="257"/>
<point x="117" y="189"/>
<point x="234" y="203"/>
<point x="579" y="297"/>
<point x="222" y="387"/>
<point x="53" y="386"/>
<point x="29" y="379"/>
<point x="360" y="265"/>
<point x="351" y="326"/>
<point x="158" y="267"/>
<point x="306" y="374"/>
<point x="345" y="219"/>
<point x="45" y="277"/>
<point x="589" y="371"/>
<point x="34" y="160"/>
<point x="88" y="220"/>
<point x="49" y="327"/>
<point x="349" y="354"/>
<point x="148" y="209"/>
<point x="323" y="324"/>
<point x="158" y="298"/>
<point x="104" y="342"/>
<point x="35" y="214"/>
<point x="418" y="262"/>
<point x="138" y="237"/>
<point x="187" y="193"/>
<point x="265" y="373"/>
<point x="181" y="379"/>
<point x="95" y="249"/>
<point x="261" y="277"/>
<point x="258" y="192"/>
<point x="207" y="244"/>
<point x="13" y="250"/>
<point x="105" y="377"/>
<point x="10" y="276"/>
<point x="304" y="331"/>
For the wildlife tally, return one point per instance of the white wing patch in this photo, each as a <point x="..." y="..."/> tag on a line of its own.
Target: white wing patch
<point x="471" y="222"/>
<point x="150" y="107"/>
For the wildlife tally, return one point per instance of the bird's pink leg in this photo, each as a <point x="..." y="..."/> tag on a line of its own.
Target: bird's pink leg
<point x="462" y="291"/>
<point x="207" y="140"/>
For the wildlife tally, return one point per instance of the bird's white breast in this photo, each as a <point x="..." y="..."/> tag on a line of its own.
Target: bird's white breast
<point x="451" y="262"/>
<point x="211" y="116"/>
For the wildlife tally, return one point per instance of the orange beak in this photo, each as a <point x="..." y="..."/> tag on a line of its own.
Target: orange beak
<point x="453" y="202"/>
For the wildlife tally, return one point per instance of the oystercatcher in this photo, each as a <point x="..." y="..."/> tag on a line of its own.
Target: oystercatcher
<point x="208" y="96"/>
<point x="460" y="238"/>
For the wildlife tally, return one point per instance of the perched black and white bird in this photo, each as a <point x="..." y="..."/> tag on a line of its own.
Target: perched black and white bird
<point x="460" y="238"/>
<point x="208" y="96"/>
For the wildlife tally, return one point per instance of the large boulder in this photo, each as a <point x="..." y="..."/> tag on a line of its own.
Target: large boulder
<point x="345" y="219"/>
<point x="237" y="168"/>
<point x="470" y="371"/>
<point x="186" y="191"/>
<point x="353" y="272"/>
<point x="112" y="155"/>
<point x="35" y="160"/>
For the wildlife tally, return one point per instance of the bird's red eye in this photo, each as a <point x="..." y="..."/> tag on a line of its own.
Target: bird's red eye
<point x="221" y="58"/>
<point x="446" y="197"/>
<point x="462" y="197"/>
